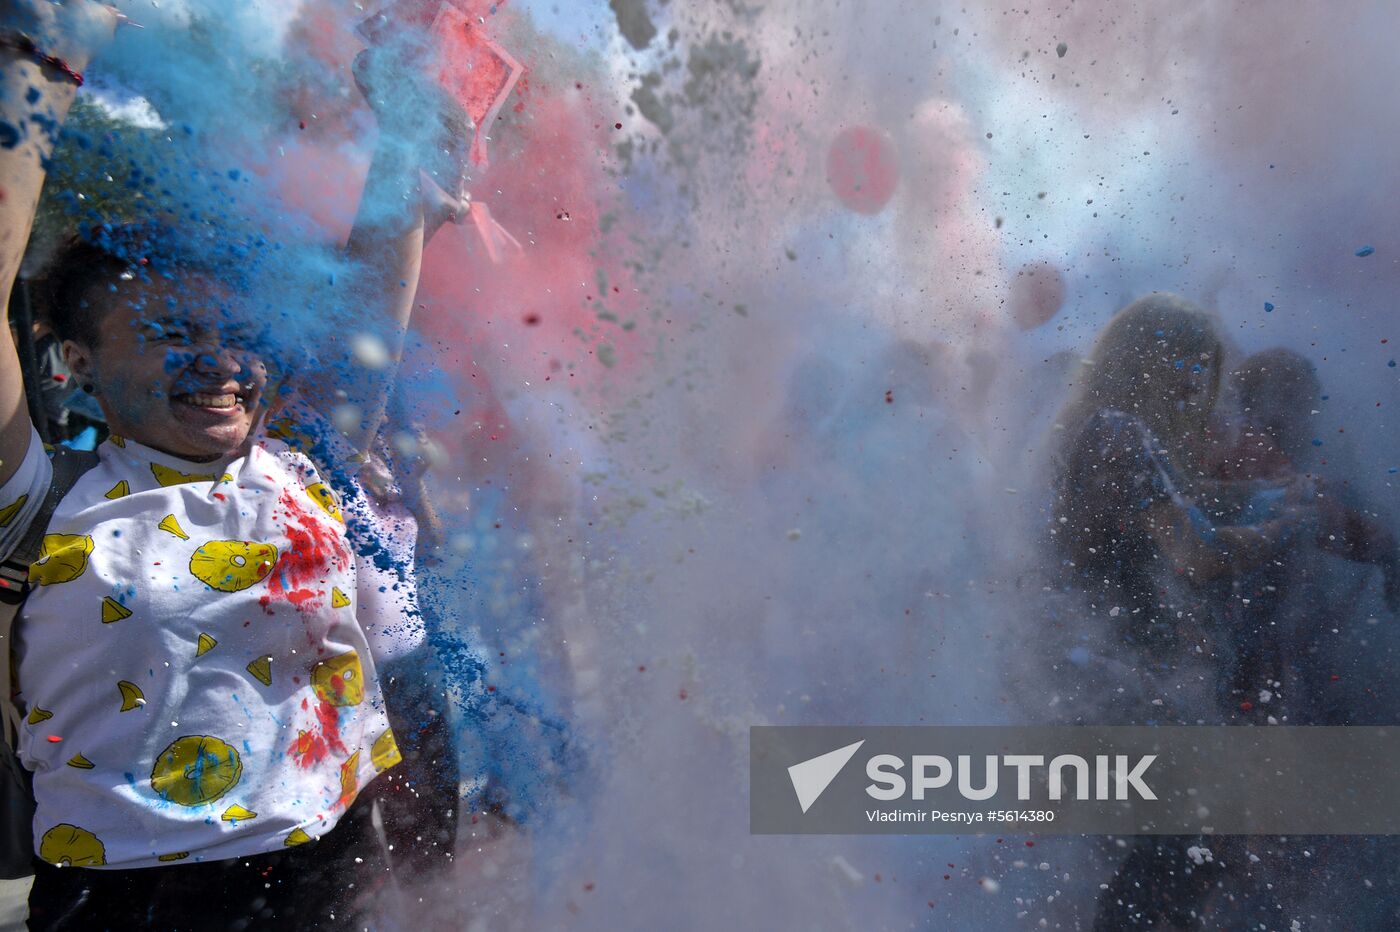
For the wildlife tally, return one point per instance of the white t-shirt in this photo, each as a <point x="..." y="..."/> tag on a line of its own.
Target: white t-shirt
<point x="193" y="676"/>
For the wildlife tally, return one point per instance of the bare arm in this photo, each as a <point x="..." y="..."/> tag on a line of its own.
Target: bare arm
<point x="1214" y="552"/>
<point x="386" y="252"/>
<point x="34" y="101"/>
<point x="399" y="212"/>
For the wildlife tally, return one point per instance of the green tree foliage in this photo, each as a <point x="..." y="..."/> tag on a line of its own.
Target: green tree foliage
<point x="104" y="170"/>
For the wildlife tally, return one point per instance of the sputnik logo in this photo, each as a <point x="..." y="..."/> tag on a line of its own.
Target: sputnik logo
<point x="811" y="777"/>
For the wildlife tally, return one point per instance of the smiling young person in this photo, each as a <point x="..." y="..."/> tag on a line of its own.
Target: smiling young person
<point x="200" y="706"/>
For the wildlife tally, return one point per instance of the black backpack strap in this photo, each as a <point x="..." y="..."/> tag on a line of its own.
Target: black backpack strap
<point x="68" y="468"/>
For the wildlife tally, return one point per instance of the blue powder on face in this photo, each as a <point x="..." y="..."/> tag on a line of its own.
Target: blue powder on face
<point x="9" y="136"/>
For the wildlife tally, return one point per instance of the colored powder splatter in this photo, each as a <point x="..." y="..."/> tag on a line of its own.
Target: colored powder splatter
<point x="862" y="169"/>
<point x="312" y="745"/>
<point x="316" y="549"/>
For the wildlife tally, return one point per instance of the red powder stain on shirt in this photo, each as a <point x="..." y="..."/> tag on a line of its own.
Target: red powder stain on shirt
<point x="312" y="745"/>
<point x="308" y="750"/>
<point x="316" y="549"/>
<point x="305" y="597"/>
<point x="329" y="717"/>
<point x="220" y="496"/>
<point x="350" y="785"/>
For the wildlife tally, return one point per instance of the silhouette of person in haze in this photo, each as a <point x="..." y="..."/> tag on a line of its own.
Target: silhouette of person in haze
<point x="1273" y="451"/>
<point x="1131" y="536"/>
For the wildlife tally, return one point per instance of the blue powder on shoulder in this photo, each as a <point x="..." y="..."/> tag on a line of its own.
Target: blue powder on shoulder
<point x="9" y="135"/>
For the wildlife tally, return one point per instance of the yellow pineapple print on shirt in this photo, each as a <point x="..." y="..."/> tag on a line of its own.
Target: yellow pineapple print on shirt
<point x="7" y="514"/>
<point x="297" y="837"/>
<point x="67" y="845"/>
<point x="339" y="681"/>
<point x="132" y="696"/>
<point x="385" y="751"/>
<point x="350" y="779"/>
<point x="289" y="432"/>
<point x="195" y="770"/>
<point x="171" y="525"/>
<point x="237" y="813"/>
<point x="322" y="495"/>
<point x="168" y="477"/>
<point x="62" y="558"/>
<point x="232" y="565"/>
<point x="113" y="611"/>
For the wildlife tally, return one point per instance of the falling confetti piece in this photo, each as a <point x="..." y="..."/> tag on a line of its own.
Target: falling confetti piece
<point x="1365" y="251"/>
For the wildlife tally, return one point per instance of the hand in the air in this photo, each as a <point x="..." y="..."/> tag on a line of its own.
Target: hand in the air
<point x="440" y="208"/>
<point x="418" y="119"/>
<point x="74" y="31"/>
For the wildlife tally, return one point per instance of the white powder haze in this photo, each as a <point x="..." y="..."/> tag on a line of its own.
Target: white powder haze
<point x="814" y="489"/>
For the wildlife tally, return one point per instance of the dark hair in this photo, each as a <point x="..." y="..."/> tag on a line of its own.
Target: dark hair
<point x="1274" y="372"/>
<point x="76" y="269"/>
<point x="100" y="256"/>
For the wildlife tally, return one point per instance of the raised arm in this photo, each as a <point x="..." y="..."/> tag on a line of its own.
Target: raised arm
<point x="1189" y="542"/>
<point x="400" y="209"/>
<point x="43" y="49"/>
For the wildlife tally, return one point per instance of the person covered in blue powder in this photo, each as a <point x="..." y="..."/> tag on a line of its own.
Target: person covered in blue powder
<point x="1129" y="534"/>
<point x="195" y="697"/>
